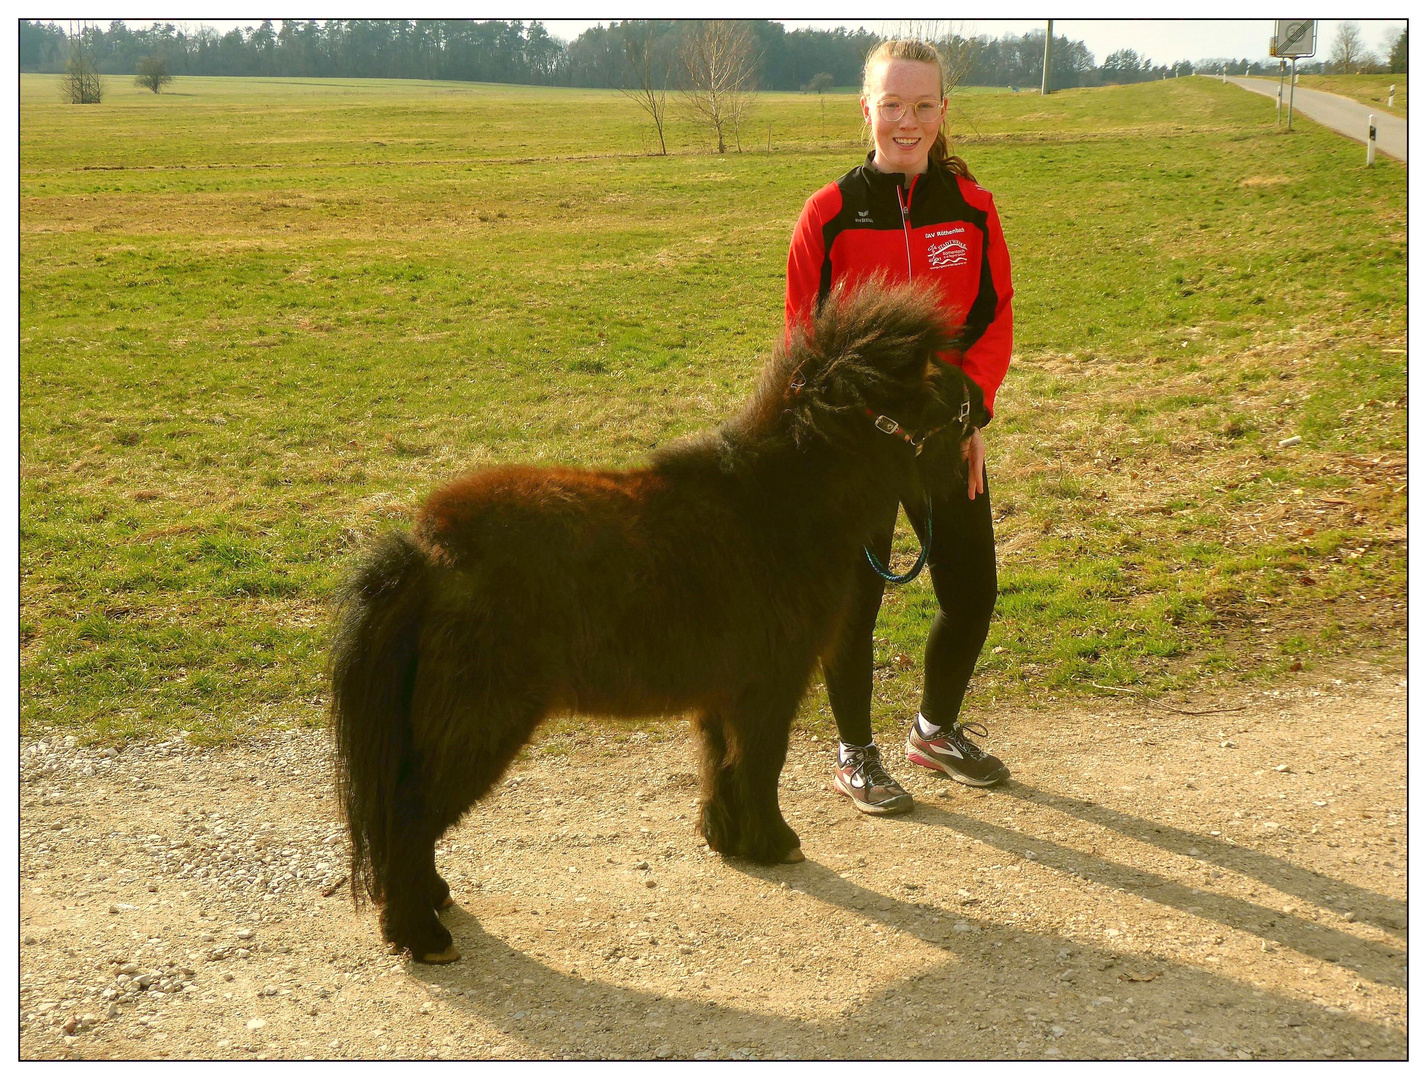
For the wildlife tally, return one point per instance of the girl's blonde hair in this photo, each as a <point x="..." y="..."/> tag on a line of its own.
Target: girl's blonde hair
<point x="922" y="53"/>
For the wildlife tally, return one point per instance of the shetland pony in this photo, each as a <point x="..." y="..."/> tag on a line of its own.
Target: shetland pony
<point x="708" y="583"/>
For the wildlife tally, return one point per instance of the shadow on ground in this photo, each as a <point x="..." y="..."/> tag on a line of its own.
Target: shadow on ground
<point x="994" y="992"/>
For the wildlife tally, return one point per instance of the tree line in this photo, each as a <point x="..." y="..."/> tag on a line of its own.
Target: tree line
<point x="521" y="52"/>
<point x="524" y="52"/>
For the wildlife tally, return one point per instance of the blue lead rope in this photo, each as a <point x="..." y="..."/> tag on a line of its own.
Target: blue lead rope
<point x="902" y="579"/>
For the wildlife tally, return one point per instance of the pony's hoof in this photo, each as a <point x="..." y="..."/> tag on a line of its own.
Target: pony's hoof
<point x="794" y="855"/>
<point x="446" y="903"/>
<point x="449" y="955"/>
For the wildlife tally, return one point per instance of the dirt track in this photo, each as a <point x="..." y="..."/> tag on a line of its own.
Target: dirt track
<point x="1151" y="884"/>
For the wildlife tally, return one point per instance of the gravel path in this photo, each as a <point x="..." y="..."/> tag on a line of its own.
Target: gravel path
<point x="1157" y="881"/>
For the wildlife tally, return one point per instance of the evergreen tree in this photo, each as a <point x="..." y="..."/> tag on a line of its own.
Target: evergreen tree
<point x="1397" y="59"/>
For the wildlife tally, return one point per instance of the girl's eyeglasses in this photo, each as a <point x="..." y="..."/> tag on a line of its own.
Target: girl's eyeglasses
<point x="925" y="111"/>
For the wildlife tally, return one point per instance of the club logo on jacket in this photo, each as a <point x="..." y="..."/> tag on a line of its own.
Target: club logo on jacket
<point x="944" y="253"/>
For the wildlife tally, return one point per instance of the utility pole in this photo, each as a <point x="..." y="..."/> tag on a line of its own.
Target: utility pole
<point x="1045" y="70"/>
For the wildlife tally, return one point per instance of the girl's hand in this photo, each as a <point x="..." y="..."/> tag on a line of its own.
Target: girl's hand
<point x="974" y="451"/>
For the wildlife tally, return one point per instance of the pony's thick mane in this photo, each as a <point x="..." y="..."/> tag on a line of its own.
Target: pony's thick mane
<point x="863" y="346"/>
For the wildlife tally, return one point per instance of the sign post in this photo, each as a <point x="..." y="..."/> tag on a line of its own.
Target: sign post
<point x="1293" y="38"/>
<point x="1282" y="69"/>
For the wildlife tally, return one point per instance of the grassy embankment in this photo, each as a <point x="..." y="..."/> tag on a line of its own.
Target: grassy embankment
<point x="1370" y="90"/>
<point x="260" y="318"/>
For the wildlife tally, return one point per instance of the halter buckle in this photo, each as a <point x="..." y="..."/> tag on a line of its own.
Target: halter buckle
<point x="888" y="425"/>
<point x="965" y="413"/>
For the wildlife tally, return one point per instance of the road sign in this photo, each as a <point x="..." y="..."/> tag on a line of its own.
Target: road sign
<point x="1294" y="38"/>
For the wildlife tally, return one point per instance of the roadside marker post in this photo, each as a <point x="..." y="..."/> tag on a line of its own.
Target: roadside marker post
<point x="1291" y="39"/>
<point x="1391" y="93"/>
<point x="1372" y="138"/>
<point x="1292" y="83"/>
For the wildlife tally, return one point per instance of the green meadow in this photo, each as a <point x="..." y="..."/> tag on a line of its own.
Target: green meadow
<point x="260" y="318"/>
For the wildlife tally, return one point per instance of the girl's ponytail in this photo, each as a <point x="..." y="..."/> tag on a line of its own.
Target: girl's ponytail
<point x="942" y="155"/>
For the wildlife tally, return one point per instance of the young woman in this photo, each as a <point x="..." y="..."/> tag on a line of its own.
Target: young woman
<point x="913" y="210"/>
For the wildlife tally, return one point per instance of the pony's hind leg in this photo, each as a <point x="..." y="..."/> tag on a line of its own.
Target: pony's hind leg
<point x="463" y="762"/>
<point x="466" y="728"/>
<point x="409" y="919"/>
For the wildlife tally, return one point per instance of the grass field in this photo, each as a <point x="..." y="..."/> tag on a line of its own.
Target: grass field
<point x="260" y="318"/>
<point x="1368" y="89"/>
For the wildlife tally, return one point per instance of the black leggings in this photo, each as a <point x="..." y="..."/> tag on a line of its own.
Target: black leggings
<point x="962" y="560"/>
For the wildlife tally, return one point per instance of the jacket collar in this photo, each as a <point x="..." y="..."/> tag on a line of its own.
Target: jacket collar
<point x="879" y="180"/>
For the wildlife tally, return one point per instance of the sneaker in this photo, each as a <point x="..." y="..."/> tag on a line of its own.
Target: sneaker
<point x="953" y="753"/>
<point x="863" y="780"/>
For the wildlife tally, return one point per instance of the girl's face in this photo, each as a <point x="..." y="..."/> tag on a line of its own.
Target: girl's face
<point x="902" y="145"/>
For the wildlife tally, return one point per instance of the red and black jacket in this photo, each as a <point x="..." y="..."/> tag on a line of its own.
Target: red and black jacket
<point x="938" y="226"/>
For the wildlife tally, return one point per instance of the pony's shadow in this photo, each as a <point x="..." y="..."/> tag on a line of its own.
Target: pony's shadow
<point x="514" y="991"/>
<point x="506" y="986"/>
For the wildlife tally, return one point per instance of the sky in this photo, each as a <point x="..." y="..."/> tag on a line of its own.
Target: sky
<point x="1162" y="40"/>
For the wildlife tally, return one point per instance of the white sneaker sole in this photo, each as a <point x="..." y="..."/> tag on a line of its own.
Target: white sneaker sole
<point x="916" y="757"/>
<point x="867" y="807"/>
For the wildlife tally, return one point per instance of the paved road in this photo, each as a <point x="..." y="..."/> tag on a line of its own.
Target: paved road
<point x="1339" y="113"/>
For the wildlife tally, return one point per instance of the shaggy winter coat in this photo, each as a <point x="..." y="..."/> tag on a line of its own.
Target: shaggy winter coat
<point x="708" y="583"/>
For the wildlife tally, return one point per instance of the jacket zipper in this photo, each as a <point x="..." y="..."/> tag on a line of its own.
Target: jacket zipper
<point x="906" y="207"/>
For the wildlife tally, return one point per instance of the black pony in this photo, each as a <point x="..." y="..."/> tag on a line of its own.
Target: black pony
<point x="708" y="583"/>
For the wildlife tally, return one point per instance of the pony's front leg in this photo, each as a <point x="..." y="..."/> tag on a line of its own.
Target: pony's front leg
<point x="758" y="736"/>
<point x="719" y="813"/>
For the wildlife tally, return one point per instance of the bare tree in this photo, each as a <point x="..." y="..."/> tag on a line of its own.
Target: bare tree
<point x="957" y="51"/>
<point x="1348" y="48"/>
<point x="81" y="85"/>
<point x="649" y="78"/>
<point x="152" y="73"/>
<point x="720" y="65"/>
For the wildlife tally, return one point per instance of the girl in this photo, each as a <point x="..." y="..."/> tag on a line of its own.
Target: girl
<point x="913" y="210"/>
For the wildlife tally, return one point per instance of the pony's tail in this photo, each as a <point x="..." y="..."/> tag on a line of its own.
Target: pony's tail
<point x="373" y="670"/>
